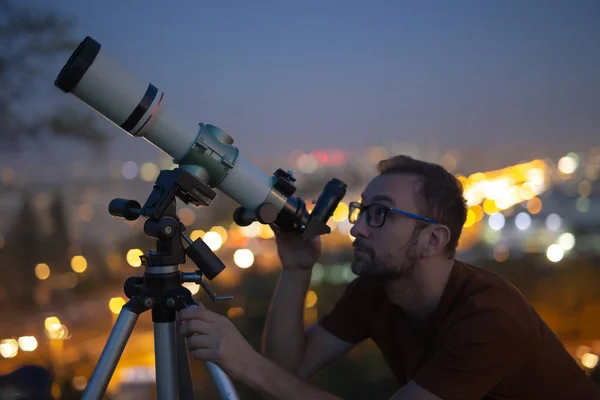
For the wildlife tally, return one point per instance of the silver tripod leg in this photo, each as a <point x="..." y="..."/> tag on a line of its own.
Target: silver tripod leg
<point x="222" y="382"/>
<point x="167" y="379"/>
<point x="110" y="355"/>
<point x="165" y="350"/>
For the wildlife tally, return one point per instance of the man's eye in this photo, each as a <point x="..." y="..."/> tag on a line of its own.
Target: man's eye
<point x="379" y="211"/>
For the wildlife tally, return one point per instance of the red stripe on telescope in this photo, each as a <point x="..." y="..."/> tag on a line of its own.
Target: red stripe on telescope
<point x="151" y="114"/>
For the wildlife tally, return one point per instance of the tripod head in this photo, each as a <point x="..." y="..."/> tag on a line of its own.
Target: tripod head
<point x="164" y="225"/>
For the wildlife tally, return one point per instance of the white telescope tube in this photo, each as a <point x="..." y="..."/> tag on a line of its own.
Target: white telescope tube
<point x="140" y="109"/>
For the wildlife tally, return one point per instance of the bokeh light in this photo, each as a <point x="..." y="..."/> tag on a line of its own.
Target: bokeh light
<point x="553" y="222"/>
<point x="28" y="343"/>
<point x="9" y="348"/>
<point x="115" y="304"/>
<point x="522" y="221"/>
<point x="149" y="171"/>
<point x="311" y="299"/>
<point x="496" y="221"/>
<point x="555" y="253"/>
<point x="568" y="164"/>
<point x="129" y="170"/>
<point x="79" y="264"/>
<point x="566" y="240"/>
<point x="213" y="240"/>
<point x="42" y="271"/>
<point x="243" y="258"/>
<point x="133" y="257"/>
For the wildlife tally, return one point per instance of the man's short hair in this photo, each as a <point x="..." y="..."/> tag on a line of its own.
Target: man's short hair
<point x="439" y="195"/>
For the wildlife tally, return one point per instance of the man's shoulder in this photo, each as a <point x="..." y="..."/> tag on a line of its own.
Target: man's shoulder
<point x="483" y="291"/>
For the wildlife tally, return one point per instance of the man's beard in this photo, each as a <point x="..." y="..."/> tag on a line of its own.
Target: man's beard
<point x="372" y="266"/>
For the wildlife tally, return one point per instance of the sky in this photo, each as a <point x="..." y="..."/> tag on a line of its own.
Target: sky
<point x="508" y="79"/>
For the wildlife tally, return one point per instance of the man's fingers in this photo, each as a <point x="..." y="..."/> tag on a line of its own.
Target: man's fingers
<point x="199" y="342"/>
<point x="200" y="312"/>
<point x="202" y="354"/>
<point x="190" y="312"/>
<point x="195" y="327"/>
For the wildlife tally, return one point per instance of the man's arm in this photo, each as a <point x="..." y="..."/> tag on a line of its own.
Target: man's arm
<point x="213" y="337"/>
<point x="273" y="382"/>
<point x="303" y="353"/>
<point x="284" y="338"/>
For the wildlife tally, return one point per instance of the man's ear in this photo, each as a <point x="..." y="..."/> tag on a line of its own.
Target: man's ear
<point x="435" y="240"/>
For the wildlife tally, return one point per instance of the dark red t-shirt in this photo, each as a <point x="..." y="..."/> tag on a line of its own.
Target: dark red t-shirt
<point x="483" y="341"/>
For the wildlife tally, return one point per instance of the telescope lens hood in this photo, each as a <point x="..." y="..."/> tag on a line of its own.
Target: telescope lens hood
<point x="77" y="65"/>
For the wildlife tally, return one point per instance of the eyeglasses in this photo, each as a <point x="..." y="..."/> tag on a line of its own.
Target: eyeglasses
<point x="377" y="213"/>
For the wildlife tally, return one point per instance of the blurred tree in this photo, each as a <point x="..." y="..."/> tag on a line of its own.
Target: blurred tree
<point x="20" y="255"/>
<point x="58" y="243"/>
<point x="30" y="38"/>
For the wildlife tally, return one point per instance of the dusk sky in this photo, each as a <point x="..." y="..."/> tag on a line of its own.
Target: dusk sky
<point x="509" y="77"/>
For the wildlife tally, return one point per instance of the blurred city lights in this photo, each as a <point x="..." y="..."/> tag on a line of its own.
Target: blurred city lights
<point x="149" y="171"/>
<point x="221" y="231"/>
<point x="377" y="153"/>
<point x="51" y="323"/>
<point x="192" y="287"/>
<point x="501" y="253"/>
<point x="133" y="257"/>
<point x="235" y="312"/>
<point x="265" y="231"/>
<point x="522" y="221"/>
<point x="129" y="170"/>
<point x="584" y="188"/>
<point x="252" y="230"/>
<point x="566" y="241"/>
<point x="553" y="222"/>
<point x="55" y="329"/>
<point x="9" y="348"/>
<point x="589" y="360"/>
<point x="85" y="212"/>
<point x="496" y="221"/>
<point x="307" y="163"/>
<point x="448" y="161"/>
<point x="28" y="343"/>
<point x="568" y="164"/>
<point x="341" y="212"/>
<point x="583" y="204"/>
<point x="471" y="218"/>
<point x="311" y="299"/>
<point x="42" y="271"/>
<point x="79" y="264"/>
<point x="534" y="205"/>
<point x="186" y="215"/>
<point x="197" y="234"/>
<point x="243" y="258"/>
<point x="555" y="253"/>
<point x="115" y="304"/>
<point x="79" y="382"/>
<point x="213" y="240"/>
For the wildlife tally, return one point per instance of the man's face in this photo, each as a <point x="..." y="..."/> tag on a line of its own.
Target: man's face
<point x="392" y="249"/>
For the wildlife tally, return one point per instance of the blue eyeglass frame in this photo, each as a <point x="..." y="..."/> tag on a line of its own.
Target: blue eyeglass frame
<point x="362" y="208"/>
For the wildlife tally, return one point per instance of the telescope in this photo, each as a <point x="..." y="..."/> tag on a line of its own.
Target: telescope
<point x="206" y="160"/>
<point x="205" y="151"/>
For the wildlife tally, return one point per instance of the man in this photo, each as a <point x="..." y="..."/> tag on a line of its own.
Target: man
<point x="447" y="330"/>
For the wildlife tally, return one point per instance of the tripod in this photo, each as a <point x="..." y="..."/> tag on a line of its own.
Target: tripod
<point x="160" y="289"/>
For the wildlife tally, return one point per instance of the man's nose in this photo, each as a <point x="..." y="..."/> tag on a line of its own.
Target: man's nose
<point x="360" y="227"/>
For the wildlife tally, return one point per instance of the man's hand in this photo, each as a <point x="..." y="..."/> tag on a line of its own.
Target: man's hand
<point x="296" y="253"/>
<point x="213" y="337"/>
